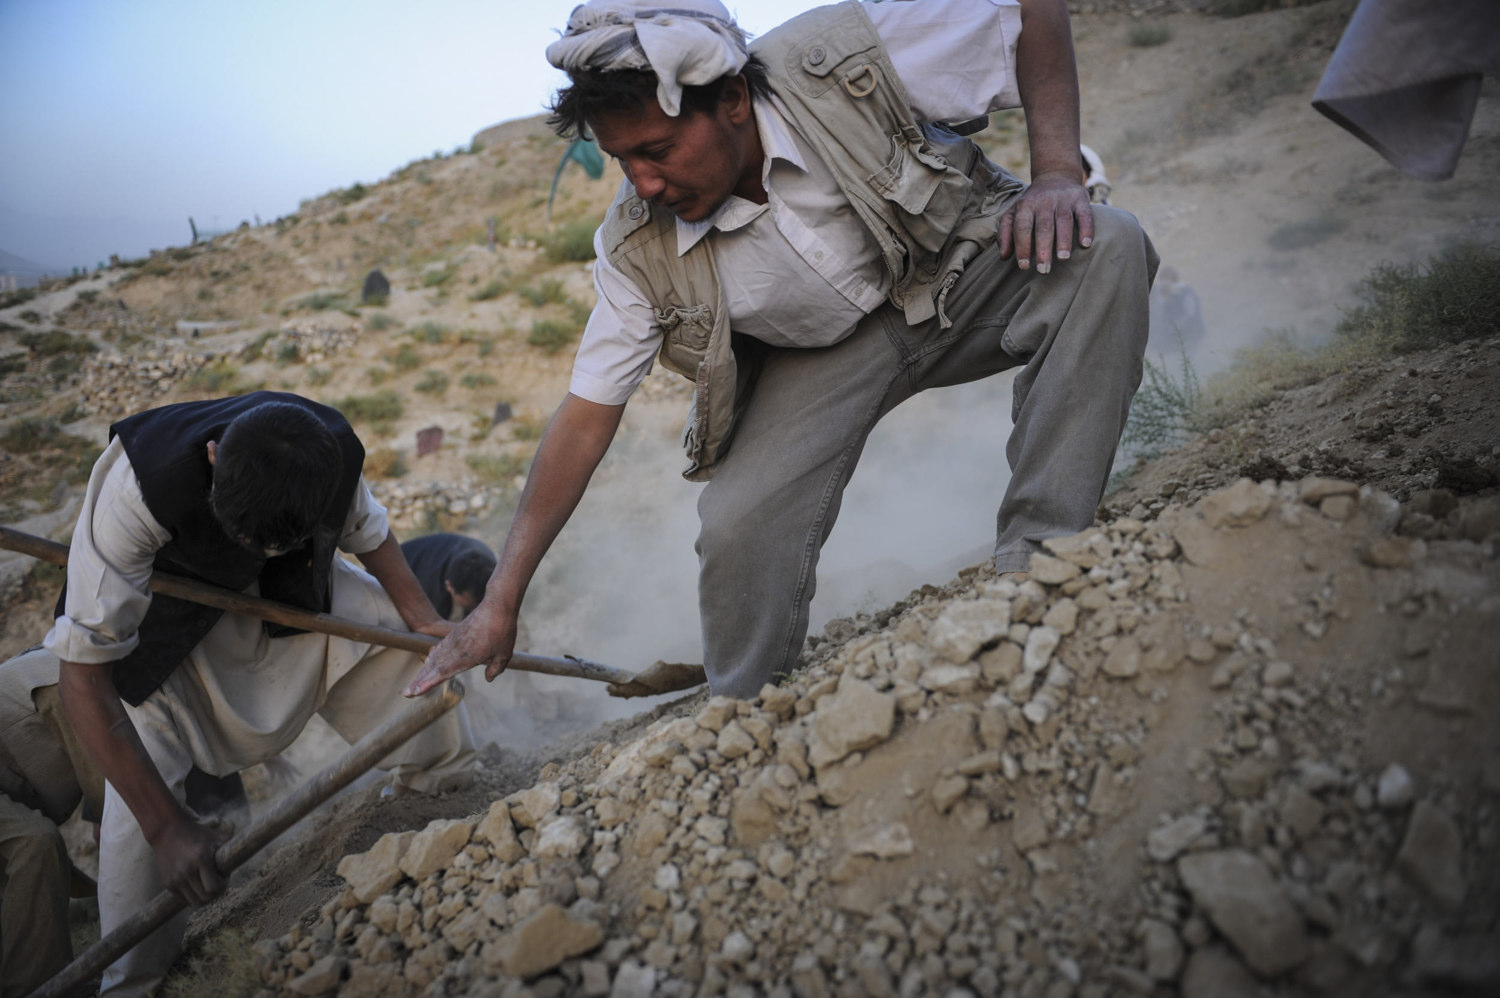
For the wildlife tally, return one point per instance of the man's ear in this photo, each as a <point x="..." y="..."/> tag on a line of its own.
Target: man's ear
<point x="213" y="452"/>
<point x="735" y="100"/>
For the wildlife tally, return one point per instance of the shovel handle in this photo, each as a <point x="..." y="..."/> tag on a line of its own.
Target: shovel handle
<point x="324" y="623"/>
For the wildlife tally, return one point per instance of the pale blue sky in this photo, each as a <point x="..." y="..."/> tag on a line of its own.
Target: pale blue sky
<point x="120" y="118"/>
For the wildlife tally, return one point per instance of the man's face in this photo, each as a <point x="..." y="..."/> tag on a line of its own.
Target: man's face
<point x="689" y="164"/>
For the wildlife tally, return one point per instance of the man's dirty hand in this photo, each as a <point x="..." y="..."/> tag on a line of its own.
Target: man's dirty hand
<point x="185" y="859"/>
<point x="1039" y="227"/>
<point x="488" y="636"/>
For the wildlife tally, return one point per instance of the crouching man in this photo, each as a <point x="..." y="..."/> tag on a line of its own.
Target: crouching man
<point x="258" y="494"/>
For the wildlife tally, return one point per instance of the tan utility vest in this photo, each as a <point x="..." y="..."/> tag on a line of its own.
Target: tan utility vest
<point x="929" y="197"/>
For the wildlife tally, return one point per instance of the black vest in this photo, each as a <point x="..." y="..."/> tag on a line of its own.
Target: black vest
<point x="168" y="449"/>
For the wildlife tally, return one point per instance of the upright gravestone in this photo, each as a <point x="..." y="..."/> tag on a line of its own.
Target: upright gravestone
<point x="376" y="288"/>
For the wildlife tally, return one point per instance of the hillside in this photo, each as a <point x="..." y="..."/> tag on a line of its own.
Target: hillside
<point x="1235" y="740"/>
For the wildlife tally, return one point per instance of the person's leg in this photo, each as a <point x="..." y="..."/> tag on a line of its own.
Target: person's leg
<point x="773" y="499"/>
<point x="34" y="877"/>
<point x="365" y="684"/>
<point x="1080" y="332"/>
<point x="128" y="878"/>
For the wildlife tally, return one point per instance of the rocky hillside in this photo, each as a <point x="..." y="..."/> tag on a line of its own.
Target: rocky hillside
<point x="1235" y="740"/>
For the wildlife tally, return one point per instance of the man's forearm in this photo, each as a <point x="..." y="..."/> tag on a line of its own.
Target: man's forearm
<point x="103" y="728"/>
<point x="1047" y="74"/>
<point x="575" y="442"/>
<point x="391" y="570"/>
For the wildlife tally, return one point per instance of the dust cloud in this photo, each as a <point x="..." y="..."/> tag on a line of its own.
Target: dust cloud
<point x="620" y="584"/>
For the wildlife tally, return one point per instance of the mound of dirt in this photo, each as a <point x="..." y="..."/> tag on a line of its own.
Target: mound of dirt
<point x="1247" y="742"/>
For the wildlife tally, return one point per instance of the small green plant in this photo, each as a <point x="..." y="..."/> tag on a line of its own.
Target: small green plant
<point x="405" y="358"/>
<point x="56" y="342"/>
<point x="385" y="462"/>
<point x="433" y="383"/>
<point x="382" y="406"/>
<point x="545" y="292"/>
<point x="89" y="296"/>
<point x="377" y="375"/>
<point x="522" y="428"/>
<point x="431" y="332"/>
<point x="323" y="300"/>
<point x="288" y="352"/>
<point x="379" y="322"/>
<point x="494" y="289"/>
<point x="476" y="379"/>
<point x="486" y="346"/>
<point x="220" y="377"/>
<point x="252" y="351"/>
<point x="1166" y="410"/>
<point x="30" y="435"/>
<point x="318" y="376"/>
<point x="1148" y="34"/>
<point x="500" y="469"/>
<point x="550" y="335"/>
<point x="13" y="363"/>
<point x="342" y="218"/>
<point x="31" y="315"/>
<point x="351" y="194"/>
<point x="437" y="277"/>
<point x="571" y="242"/>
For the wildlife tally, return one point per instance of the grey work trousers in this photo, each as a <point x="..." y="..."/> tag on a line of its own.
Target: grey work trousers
<point x="1078" y="333"/>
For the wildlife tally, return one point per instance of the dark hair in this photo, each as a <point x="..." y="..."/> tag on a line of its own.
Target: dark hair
<point x="470" y="572"/>
<point x="275" y="474"/>
<point x="595" y="92"/>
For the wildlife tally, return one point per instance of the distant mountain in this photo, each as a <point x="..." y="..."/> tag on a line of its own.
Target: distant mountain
<point x="24" y="271"/>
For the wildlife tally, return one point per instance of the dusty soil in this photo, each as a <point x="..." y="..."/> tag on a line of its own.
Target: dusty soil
<point x="1234" y="741"/>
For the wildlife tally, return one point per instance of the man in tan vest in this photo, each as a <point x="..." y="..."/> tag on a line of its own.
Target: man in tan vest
<point x="805" y="234"/>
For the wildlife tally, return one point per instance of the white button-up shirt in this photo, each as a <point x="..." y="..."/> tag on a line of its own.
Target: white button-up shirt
<point x="109" y="560"/>
<point x="802" y="270"/>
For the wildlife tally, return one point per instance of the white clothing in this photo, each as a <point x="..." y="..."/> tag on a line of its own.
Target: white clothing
<point x="239" y="698"/>
<point x="801" y="270"/>
<point x="109" y="560"/>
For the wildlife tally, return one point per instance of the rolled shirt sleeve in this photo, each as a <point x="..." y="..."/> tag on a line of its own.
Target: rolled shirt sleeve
<point x="366" y="525"/>
<point x="109" y="566"/>
<point x="620" y="341"/>
<point x="956" y="58"/>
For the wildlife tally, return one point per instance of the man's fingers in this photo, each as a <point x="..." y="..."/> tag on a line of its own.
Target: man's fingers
<point x="1007" y="232"/>
<point x="1086" y="226"/>
<point x="495" y="667"/>
<point x="1025" y="219"/>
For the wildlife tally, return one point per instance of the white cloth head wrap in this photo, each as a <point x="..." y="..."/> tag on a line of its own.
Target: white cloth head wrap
<point x="685" y="42"/>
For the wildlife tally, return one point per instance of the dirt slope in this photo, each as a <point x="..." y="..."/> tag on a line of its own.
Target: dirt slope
<point x="1234" y="741"/>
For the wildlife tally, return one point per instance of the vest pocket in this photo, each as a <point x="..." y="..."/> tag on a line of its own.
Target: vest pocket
<point x="686" y="327"/>
<point x="928" y="194"/>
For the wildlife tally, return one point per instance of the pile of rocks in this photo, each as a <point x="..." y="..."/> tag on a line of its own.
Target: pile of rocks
<point x="934" y="803"/>
<point x="414" y="505"/>
<point x="311" y="340"/>
<point x="115" y="385"/>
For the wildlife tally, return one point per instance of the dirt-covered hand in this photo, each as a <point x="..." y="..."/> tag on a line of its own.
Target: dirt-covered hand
<point x="185" y="859"/>
<point x="1039" y="227"/>
<point x="488" y="636"/>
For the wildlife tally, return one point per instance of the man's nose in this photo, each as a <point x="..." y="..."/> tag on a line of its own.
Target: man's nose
<point x="646" y="181"/>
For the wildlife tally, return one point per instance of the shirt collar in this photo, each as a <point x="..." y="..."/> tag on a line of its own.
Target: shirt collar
<point x="777" y="141"/>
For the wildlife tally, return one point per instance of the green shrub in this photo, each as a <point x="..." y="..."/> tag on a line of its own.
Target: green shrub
<point x="349" y="195"/>
<point x="31" y="435"/>
<point x="545" y="292"/>
<point x="89" y="296"/>
<point x="522" y="428"/>
<point x="550" y="335"/>
<point x="13" y="363"/>
<point x="1148" y="34"/>
<point x="497" y="468"/>
<point x="494" y="289"/>
<point x="221" y="377"/>
<point x="323" y="300"/>
<point x="385" y="462"/>
<point x="379" y="321"/>
<point x="319" y="376"/>
<point x="405" y="359"/>
<point x="571" y="242"/>
<point x="288" y="352"/>
<point x="383" y="406"/>
<point x="476" y="379"/>
<point x="431" y="332"/>
<point x="1166" y="410"/>
<point x="377" y="375"/>
<point x="1454" y="296"/>
<point x="433" y="383"/>
<point x="252" y="351"/>
<point x="55" y="342"/>
<point x="437" y="278"/>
